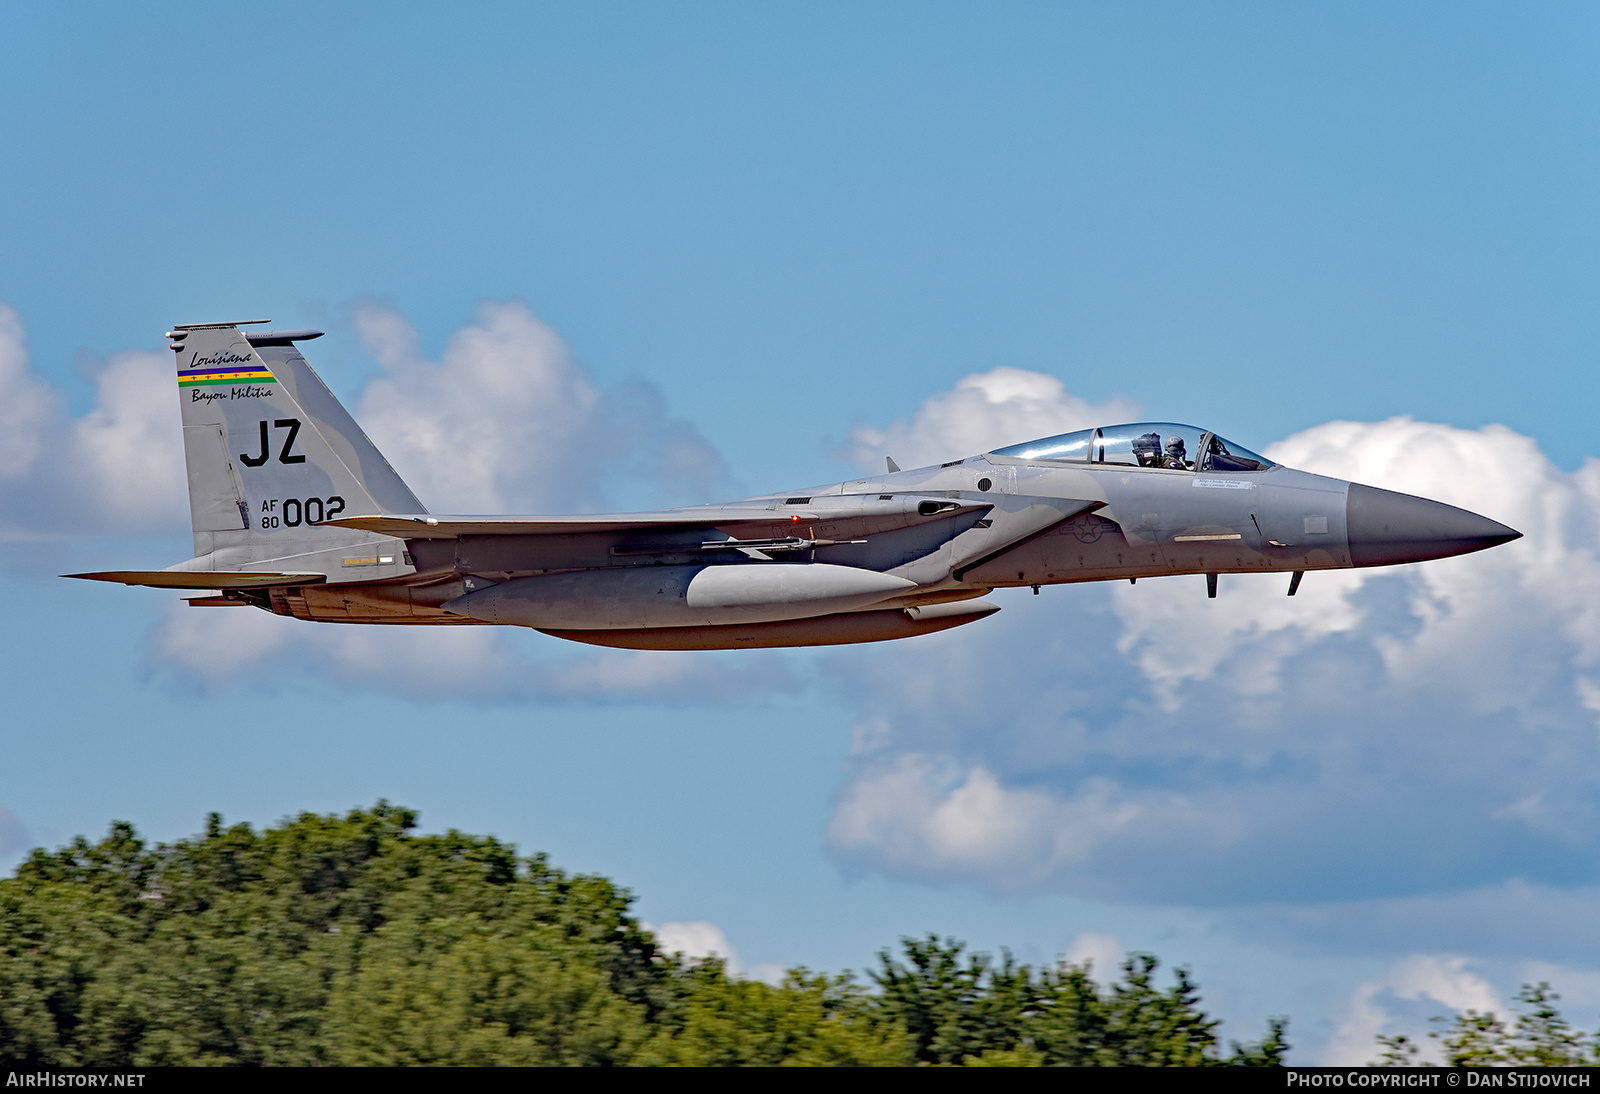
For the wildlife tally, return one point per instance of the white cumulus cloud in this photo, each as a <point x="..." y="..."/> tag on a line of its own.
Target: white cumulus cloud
<point x="697" y="939"/>
<point x="504" y="421"/>
<point x="29" y="407"/>
<point x="1440" y="979"/>
<point x="507" y="422"/>
<point x="985" y="411"/>
<point x="500" y="423"/>
<point x="701" y="939"/>
<point x="922" y="816"/>
<point x="1383" y="735"/>
<point x="1102" y="952"/>
<point x="208" y="649"/>
<point x="117" y="470"/>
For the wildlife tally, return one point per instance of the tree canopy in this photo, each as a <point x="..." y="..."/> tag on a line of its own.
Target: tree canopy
<point x="1536" y="1036"/>
<point x="356" y="940"/>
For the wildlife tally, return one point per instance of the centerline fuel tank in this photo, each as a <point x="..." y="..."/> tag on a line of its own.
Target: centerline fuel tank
<point x="678" y="596"/>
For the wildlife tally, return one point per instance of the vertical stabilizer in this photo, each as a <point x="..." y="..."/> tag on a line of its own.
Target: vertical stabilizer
<point x="271" y="454"/>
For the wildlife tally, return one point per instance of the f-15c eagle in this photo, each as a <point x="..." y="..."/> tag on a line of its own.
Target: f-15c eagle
<point x="296" y="512"/>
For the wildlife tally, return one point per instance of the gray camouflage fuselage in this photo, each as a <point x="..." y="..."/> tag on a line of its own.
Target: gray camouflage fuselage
<point x="295" y="511"/>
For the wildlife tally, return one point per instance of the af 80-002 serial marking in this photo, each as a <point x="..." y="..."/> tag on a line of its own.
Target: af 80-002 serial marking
<point x="295" y="511"/>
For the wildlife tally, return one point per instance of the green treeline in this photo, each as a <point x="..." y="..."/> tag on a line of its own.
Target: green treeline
<point x="351" y="940"/>
<point x="1537" y="1036"/>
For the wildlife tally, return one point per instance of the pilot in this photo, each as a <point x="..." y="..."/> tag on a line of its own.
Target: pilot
<point x="1174" y="459"/>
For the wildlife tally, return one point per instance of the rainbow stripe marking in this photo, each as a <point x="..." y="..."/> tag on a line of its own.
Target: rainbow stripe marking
<point x="194" y="377"/>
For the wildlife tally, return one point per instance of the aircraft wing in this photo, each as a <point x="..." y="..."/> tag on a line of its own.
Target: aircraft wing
<point x="432" y="527"/>
<point x="203" y="579"/>
<point x="842" y="514"/>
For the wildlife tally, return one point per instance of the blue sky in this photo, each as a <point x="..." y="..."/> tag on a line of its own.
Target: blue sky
<point x="625" y="254"/>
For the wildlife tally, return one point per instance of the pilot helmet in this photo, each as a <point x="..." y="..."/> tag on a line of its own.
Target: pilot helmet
<point x="1175" y="447"/>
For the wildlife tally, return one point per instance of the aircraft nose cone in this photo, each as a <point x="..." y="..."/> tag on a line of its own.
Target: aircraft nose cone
<point x="1387" y="527"/>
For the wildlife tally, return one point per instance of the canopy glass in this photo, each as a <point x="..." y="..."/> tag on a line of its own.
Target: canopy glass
<point x="1144" y="444"/>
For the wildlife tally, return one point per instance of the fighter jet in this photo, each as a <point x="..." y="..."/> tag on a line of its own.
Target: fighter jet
<point x="297" y="513"/>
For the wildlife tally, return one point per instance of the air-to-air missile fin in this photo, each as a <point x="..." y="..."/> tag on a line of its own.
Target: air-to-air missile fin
<point x="893" y="467"/>
<point x="1294" y="581"/>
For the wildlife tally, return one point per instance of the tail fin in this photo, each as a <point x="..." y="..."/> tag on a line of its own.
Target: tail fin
<point x="271" y="453"/>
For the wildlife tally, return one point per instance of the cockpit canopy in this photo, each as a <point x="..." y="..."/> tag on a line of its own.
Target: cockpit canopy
<point x="1145" y="444"/>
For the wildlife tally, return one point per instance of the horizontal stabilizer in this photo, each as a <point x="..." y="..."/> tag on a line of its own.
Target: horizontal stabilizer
<point x="280" y="337"/>
<point x="203" y="579"/>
